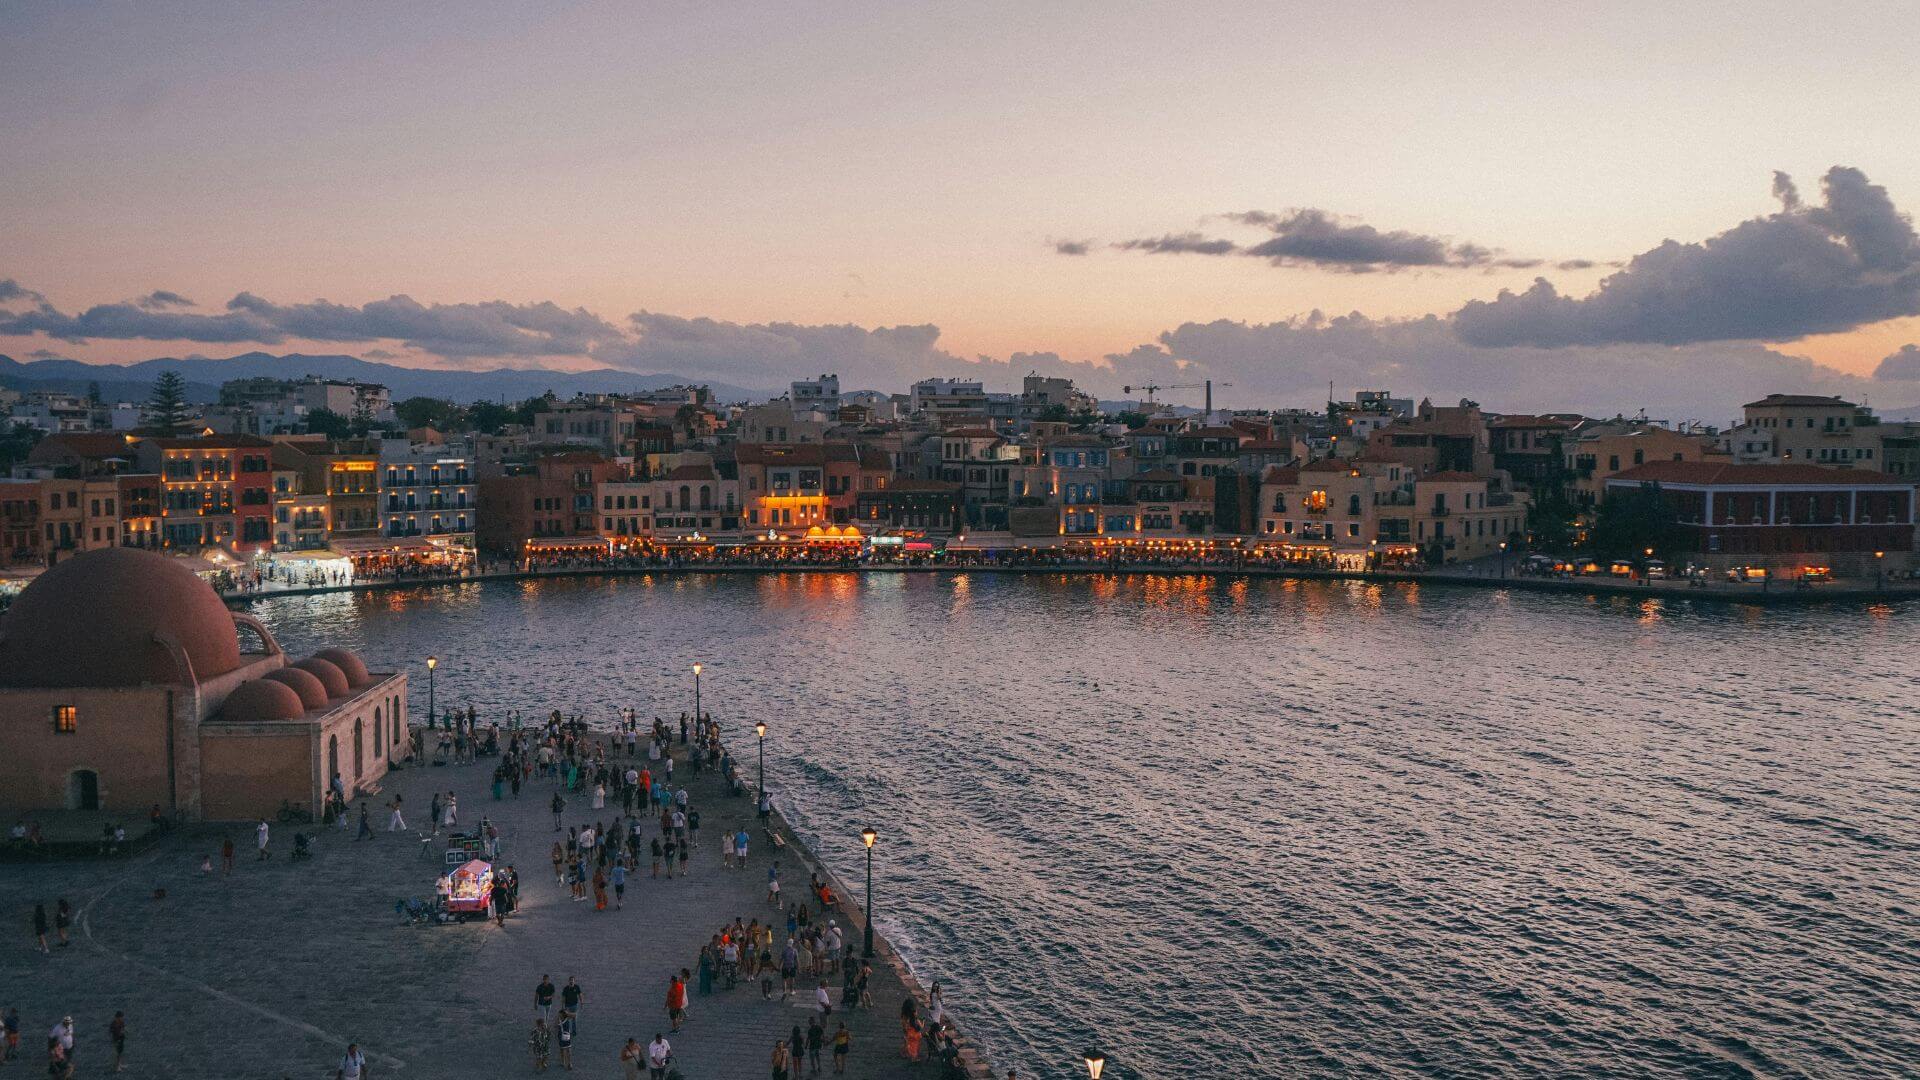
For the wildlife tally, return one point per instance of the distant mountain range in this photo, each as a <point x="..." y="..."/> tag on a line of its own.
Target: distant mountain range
<point x="134" y="382"/>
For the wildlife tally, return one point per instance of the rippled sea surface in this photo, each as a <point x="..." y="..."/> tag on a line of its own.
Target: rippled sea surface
<point x="1264" y="828"/>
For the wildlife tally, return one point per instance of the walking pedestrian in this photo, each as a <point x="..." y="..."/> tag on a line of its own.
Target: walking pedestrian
<point x="676" y="1000"/>
<point x="366" y="830"/>
<point x="540" y="1042"/>
<point x="631" y="1056"/>
<point x="62" y="919"/>
<point x="842" y="1042"/>
<point x="659" y="1055"/>
<point x="40" y="927"/>
<point x="543" y="996"/>
<point x="260" y="834"/>
<point x="353" y="1064"/>
<point x="564" y="1033"/>
<point x="117" y="1036"/>
<point x="816" y="1037"/>
<point x="570" y="996"/>
<point x="395" y="822"/>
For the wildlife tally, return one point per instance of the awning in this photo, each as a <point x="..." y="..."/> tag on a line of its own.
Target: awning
<point x="569" y="543"/>
<point x="386" y="545"/>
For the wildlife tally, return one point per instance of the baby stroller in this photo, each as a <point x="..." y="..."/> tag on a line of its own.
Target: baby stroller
<point x="413" y="910"/>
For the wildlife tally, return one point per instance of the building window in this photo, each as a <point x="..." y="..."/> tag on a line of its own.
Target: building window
<point x="66" y="719"/>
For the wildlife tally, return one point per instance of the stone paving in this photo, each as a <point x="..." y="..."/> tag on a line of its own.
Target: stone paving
<point x="271" y="971"/>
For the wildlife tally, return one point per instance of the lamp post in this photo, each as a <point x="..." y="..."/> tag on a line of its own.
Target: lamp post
<point x="1879" y="569"/>
<point x="696" y="691"/>
<point x="1096" y="1064"/>
<point x="1503" y="560"/>
<point x="760" y="729"/>
<point x="868" y="836"/>
<point x="1646" y="568"/>
<point x="432" y="662"/>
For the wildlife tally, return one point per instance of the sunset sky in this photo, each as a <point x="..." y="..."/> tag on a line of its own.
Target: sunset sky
<point x="1123" y="192"/>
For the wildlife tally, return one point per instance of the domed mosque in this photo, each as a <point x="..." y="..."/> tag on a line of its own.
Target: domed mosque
<point x="126" y="683"/>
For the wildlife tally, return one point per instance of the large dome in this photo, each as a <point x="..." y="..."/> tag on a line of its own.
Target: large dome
<point x="313" y="694"/>
<point x="349" y="665"/>
<point x="100" y="618"/>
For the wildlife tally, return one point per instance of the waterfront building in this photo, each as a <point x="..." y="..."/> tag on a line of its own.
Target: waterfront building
<point x="1784" y="517"/>
<point x="1811" y="430"/>
<point x="348" y="471"/>
<point x="299" y="515"/>
<point x="910" y="504"/>
<point x="126" y="685"/>
<point x="546" y="504"/>
<point x="427" y="493"/>
<point x="691" y="498"/>
<point x="1602" y="449"/>
<point x="1459" y="517"/>
<point x="778" y="422"/>
<point x="1529" y="449"/>
<point x="982" y="463"/>
<point x="216" y="491"/>
<point x="852" y="468"/>
<point x="782" y="486"/>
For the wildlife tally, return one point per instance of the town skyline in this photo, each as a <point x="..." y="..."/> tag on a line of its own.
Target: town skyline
<point x="827" y="197"/>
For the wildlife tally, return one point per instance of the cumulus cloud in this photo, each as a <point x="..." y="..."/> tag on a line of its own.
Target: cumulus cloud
<point x="161" y="298"/>
<point x="1903" y="364"/>
<point x="1804" y="270"/>
<point x="1072" y="247"/>
<point x="1190" y="243"/>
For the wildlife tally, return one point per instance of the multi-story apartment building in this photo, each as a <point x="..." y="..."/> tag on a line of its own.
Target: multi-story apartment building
<point x="215" y="491"/>
<point x="1603" y="448"/>
<point x="299" y="515"/>
<point x="1812" y="430"/>
<point x="851" y="469"/>
<point x="783" y="486"/>
<point x="778" y="422"/>
<point x="982" y="464"/>
<point x="694" y="498"/>
<point x="428" y="492"/>
<point x="348" y="471"/>
<point x="1784" y="517"/>
<point x="21" y="539"/>
<point x="948" y="397"/>
<point x="603" y="423"/>
<point x="546" y="502"/>
<point x="1530" y="449"/>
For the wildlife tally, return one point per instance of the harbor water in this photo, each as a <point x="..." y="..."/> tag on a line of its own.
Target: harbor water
<point x="1221" y="827"/>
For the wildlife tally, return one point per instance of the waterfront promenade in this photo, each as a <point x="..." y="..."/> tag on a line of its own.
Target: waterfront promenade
<point x="1480" y="574"/>
<point x="272" y="970"/>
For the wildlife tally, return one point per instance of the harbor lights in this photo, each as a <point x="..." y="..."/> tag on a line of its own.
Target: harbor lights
<point x="1503" y="560"/>
<point x="432" y="662"/>
<point x="1879" y="569"/>
<point x="760" y="729"/>
<point x="1096" y="1064"/>
<point x="697" y="668"/>
<point x="867" y="837"/>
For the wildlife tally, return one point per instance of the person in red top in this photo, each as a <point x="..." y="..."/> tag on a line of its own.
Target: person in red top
<point x="677" y="999"/>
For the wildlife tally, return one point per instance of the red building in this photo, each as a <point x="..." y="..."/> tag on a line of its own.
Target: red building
<point x="1785" y="516"/>
<point x="541" y="504"/>
<point x="215" y="491"/>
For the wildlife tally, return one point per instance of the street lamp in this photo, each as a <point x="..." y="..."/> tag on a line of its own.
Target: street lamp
<point x="1503" y="560"/>
<point x="1879" y="569"/>
<point x="432" y="662"/>
<point x="868" y="836"/>
<point x="760" y="729"/>
<point x="696" y="691"/>
<point x="1646" y="568"/>
<point x="1096" y="1064"/>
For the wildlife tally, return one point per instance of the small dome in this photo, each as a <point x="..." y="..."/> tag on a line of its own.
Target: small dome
<point x="261" y="700"/>
<point x="100" y="618"/>
<point x="349" y="665"/>
<point x="330" y="676"/>
<point x="312" y="694"/>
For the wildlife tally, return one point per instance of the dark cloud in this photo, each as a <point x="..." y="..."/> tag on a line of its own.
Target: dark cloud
<point x="161" y="298"/>
<point x="1072" y="247"/>
<point x="1575" y="264"/>
<point x="1804" y="270"/>
<point x="1191" y="243"/>
<point x="1318" y="238"/>
<point x="132" y="322"/>
<point x="1903" y="364"/>
<point x="11" y="290"/>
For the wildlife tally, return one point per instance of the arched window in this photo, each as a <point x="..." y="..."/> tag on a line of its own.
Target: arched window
<point x="686" y="497"/>
<point x="377" y="744"/>
<point x="706" y="497"/>
<point x="358" y="726"/>
<point x="1353" y="505"/>
<point x="333" y="757"/>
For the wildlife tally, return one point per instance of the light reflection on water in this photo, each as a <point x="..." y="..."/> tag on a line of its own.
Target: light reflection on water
<point x="1296" y="827"/>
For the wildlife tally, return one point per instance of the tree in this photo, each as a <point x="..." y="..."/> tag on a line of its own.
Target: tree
<point x="1549" y="520"/>
<point x="417" y="412"/>
<point x="362" y="420"/>
<point x="329" y="423"/>
<point x="167" y="409"/>
<point x="1133" y="420"/>
<point x="16" y="441"/>
<point x="93" y="393"/>
<point x="1630" y="522"/>
<point x="488" y="417"/>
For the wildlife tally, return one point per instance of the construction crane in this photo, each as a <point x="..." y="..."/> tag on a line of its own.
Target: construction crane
<point x="1153" y="388"/>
